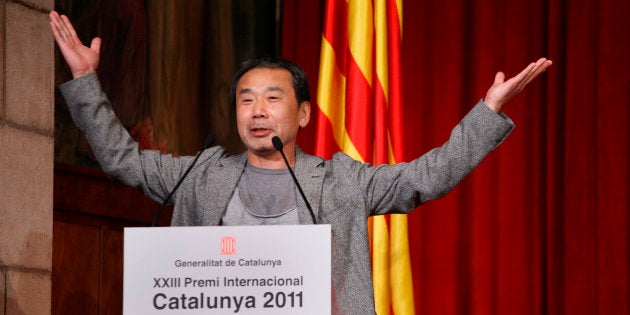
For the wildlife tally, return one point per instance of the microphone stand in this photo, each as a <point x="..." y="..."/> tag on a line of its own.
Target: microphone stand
<point x="277" y="143"/>
<point x="206" y="144"/>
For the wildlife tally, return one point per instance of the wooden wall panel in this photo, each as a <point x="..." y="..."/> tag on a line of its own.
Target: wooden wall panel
<point x="76" y="267"/>
<point x="90" y="213"/>
<point x="111" y="272"/>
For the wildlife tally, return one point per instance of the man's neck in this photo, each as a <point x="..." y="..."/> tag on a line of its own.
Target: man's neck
<point x="271" y="161"/>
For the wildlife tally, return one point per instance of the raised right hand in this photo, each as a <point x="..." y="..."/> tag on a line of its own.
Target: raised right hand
<point x="80" y="58"/>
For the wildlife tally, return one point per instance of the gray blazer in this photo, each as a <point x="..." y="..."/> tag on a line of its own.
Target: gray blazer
<point x="343" y="192"/>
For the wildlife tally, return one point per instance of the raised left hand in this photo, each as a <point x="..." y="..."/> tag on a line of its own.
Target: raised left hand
<point x="502" y="91"/>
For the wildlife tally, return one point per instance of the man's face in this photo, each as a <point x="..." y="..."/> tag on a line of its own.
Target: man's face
<point x="266" y="106"/>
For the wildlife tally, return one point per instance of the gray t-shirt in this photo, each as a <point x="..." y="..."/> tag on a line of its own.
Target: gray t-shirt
<point x="263" y="197"/>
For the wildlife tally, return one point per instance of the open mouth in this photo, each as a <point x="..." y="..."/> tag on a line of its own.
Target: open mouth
<point x="259" y="132"/>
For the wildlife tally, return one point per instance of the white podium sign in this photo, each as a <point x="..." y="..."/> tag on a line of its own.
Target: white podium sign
<point x="279" y="269"/>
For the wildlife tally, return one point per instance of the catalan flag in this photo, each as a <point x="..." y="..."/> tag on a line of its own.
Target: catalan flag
<point x="359" y="98"/>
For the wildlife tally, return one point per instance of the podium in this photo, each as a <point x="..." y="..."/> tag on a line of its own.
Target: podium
<point x="274" y="269"/>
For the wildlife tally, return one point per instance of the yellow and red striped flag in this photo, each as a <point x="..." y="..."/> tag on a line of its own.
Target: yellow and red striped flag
<point x="359" y="98"/>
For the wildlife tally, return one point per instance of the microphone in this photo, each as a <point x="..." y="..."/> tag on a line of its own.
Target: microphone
<point x="206" y="144"/>
<point x="277" y="143"/>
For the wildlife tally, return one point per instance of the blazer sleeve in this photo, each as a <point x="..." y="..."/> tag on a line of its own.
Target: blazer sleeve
<point x="117" y="153"/>
<point x="401" y="187"/>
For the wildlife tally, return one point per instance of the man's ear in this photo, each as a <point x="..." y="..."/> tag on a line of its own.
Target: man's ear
<point x="304" y="113"/>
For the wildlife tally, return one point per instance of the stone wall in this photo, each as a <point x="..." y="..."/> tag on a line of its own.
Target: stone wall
<point x="26" y="156"/>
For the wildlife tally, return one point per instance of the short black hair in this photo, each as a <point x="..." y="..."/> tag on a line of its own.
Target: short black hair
<point x="300" y="83"/>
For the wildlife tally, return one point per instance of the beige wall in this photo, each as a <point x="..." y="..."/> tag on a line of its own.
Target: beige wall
<point x="26" y="156"/>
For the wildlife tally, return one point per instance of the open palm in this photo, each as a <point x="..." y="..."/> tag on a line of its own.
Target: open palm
<point x="80" y="58"/>
<point x="502" y="91"/>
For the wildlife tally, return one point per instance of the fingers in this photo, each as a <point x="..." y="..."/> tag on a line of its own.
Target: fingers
<point x="55" y="21"/>
<point x="530" y="72"/>
<point x="68" y="28"/>
<point x="62" y="29"/>
<point x="54" y="24"/>
<point x="541" y="66"/>
<point x="525" y="76"/>
<point x="59" y="30"/>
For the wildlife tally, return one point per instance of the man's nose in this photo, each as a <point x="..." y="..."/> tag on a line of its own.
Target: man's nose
<point x="260" y="110"/>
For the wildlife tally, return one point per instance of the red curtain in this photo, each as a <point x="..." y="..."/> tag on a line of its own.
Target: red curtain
<point x="541" y="227"/>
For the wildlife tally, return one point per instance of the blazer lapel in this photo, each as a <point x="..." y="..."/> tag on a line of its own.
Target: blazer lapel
<point x="309" y="171"/>
<point x="222" y="183"/>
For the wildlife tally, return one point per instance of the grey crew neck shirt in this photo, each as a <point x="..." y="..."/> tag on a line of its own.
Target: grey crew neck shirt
<point x="263" y="197"/>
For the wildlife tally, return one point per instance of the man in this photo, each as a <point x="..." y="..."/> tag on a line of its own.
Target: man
<point x="271" y="99"/>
